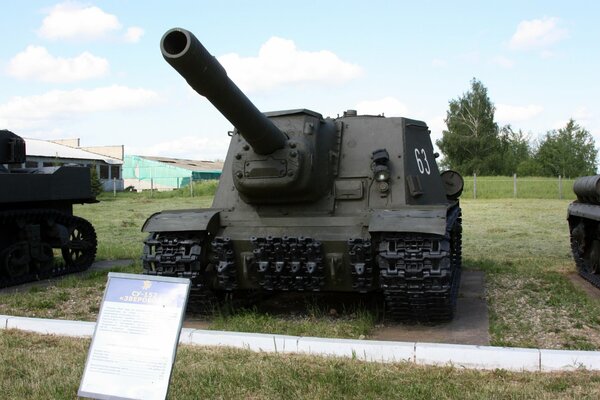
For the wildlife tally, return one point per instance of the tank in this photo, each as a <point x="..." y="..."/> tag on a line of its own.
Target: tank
<point x="354" y="203"/>
<point x="39" y="235"/>
<point x="584" y="224"/>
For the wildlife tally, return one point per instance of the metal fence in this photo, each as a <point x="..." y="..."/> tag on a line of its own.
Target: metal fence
<point x="500" y="187"/>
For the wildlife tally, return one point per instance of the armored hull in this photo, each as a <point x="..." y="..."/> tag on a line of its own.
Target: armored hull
<point x="39" y="235"/>
<point x="584" y="228"/>
<point x="306" y="203"/>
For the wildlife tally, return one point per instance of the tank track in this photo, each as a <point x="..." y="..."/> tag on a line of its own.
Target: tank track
<point x="583" y="269"/>
<point x="78" y="255"/>
<point x="179" y="254"/>
<point x="419" y="274"/>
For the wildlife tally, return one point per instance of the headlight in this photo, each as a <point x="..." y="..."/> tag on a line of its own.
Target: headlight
<point x="381" y="173"/>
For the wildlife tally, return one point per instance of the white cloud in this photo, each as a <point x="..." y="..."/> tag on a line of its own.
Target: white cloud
<point x="187" y="147"/>
<point x="280" y="63"/>
<point x="582" y="116"/>
<point x="509" y="114"/>
<point x="24" y="112"/>
<point x="70" y="20"/>
<point x="389" y="106"/>
<point x="76" y="21"/>
<point x="537" y="33"/>
<point x="503" y="62"/>
<point x="36" y="63"/>
<point x="133" y="34"/>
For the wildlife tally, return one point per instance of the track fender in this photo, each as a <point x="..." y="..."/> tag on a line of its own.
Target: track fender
<point x="207" y="219"/>
<point x="583" y="210"/>
<point x="430" y="220"/>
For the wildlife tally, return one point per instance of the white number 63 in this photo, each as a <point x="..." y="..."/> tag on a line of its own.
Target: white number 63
<point x="422" y="162"/>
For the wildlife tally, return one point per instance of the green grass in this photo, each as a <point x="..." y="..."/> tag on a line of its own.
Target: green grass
<point x="522" y="245"/>
<point x="199" y="189"/>
<point x="502" y="187"/>
<point x="118" y="220"/>
<point x="40" y="367"/>
<point x="75" y="297"/>
<point x="354" y="325"/>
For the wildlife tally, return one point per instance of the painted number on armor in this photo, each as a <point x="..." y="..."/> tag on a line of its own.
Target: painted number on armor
<point x="422" y="162"/>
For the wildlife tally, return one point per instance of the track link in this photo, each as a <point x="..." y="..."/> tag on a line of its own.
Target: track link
<point x="182" y="254"/>
<point x="420" y="274"/>
<point x="583" y="268"/>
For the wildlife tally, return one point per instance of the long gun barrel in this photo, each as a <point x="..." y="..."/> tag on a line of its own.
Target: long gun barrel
<point x="184" y="52"/>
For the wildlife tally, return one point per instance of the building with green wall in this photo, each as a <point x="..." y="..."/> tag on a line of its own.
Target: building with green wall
<point x="162" y="173"/>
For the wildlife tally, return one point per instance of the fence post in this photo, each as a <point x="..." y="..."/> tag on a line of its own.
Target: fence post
<point x="191" y="187"/>
<point x="560" y="194"/>
<point x="114" y="187"/>
<point x="474" y="185"/>
<point x="151" y="187"/>
<point x="515" y="186"/>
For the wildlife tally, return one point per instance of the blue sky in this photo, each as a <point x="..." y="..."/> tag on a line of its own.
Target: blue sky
<point x="93" y="70"/>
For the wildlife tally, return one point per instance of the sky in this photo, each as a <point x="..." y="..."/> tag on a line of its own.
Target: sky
<point x="94" y="71"/>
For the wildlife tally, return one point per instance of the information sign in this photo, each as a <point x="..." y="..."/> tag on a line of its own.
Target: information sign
<point x="135" y="341"/>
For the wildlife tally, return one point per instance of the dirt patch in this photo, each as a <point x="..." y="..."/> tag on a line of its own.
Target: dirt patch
<point x="469" y="326"/>
<point x="196" y="323"/>
<point x="584" y="285"/>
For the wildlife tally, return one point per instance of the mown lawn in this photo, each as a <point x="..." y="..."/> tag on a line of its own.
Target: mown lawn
<point x="522" y="245"/>
<point x="48" y="367"/>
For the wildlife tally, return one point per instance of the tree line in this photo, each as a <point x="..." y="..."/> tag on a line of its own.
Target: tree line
<point x="474" y="143"/>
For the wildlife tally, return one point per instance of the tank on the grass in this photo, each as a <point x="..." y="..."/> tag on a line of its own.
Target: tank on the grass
<point x="39" y="235"/>
<point x="584" y="227"/>
<point x="354" y="203"/>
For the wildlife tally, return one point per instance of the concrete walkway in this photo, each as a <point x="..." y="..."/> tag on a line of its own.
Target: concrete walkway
<point x="458" y="356"/>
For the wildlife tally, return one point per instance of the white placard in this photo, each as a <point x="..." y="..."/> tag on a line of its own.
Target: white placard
<point x="134" y="344"/>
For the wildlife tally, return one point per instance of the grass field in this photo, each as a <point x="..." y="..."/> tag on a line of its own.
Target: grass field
<point x="40" y="367"/>
<point x="529" y="187"/>
<point x="522" y="245"/>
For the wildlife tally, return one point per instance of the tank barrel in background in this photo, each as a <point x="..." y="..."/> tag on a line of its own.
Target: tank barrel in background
<point x="587" y="189"/>
<point x="184" y="52"/>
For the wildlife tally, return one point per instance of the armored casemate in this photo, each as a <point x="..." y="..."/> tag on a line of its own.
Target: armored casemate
<point x="36" y="217"/>
<point x="306" y="203"/>
<point x="584" y="227"/>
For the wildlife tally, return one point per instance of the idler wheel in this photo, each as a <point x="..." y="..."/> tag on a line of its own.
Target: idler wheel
<point x="80" y="251"/>
<point x="15" y="260"/>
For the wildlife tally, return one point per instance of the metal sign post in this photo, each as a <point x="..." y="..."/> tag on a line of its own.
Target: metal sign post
<point x="135" y="341"/>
